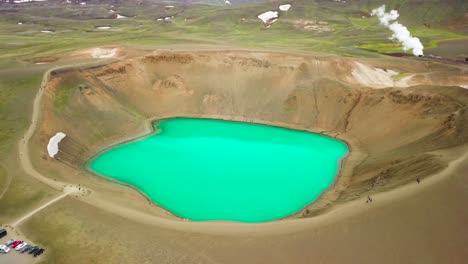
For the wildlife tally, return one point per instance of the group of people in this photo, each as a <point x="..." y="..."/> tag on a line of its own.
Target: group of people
<point x="369" y="199"/>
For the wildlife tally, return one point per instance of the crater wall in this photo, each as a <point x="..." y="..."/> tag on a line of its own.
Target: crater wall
<point x="394" y="132"/>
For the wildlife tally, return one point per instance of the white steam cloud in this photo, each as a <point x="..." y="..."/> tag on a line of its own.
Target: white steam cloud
<point x="400" y="32"/>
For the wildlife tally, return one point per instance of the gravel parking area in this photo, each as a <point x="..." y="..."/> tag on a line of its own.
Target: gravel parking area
<point x="15" y="257"/>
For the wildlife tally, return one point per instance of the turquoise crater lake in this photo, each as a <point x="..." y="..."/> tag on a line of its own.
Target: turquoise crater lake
<point x="203" y="169"/>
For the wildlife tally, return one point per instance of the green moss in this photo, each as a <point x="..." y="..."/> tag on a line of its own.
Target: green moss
<point x="401" y="76"/>
<point x="62" y="97"/>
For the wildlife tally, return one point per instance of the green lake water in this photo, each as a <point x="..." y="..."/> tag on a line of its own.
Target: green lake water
<point x="203" y="169"/>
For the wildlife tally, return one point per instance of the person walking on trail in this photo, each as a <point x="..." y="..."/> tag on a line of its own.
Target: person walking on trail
<point x="417" y="179"/>
<point x="369" y="199"/>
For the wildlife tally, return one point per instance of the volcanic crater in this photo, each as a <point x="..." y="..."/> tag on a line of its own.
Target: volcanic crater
<point x="396" y="128"/>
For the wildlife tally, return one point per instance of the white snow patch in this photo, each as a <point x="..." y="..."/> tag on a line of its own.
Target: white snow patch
<point x="373" y="77"/>
<point x="120" y="16"/>
<point x="285" y="7"/>
<point x="268" y="16"/>
<point x="464" y="86"/>
<point x="159" y="19"/>
<point x="102" y="53"/>
<point x="47" y="31"/>
<point x="227" y="2"/>
<point x="27" y="1"/>
<point x="111" y="11"/>
<point x="52" y="147"/>
<point x="103" y="28"/>
<point x="83" y="3"/>
<point x="169" y="6"/>
<point x="20" y="23"/>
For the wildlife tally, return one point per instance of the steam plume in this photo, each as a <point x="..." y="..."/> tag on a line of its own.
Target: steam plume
<point x="400" y="32"/>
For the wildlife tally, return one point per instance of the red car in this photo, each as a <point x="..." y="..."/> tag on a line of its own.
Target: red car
<point x="13" y="243"/>
<point x="16" y="243"/>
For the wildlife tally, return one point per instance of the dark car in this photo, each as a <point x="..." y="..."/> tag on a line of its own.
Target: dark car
<point x="39" y="252"/>
<point x="33" y="250"/>
<point x="3" y="233"/>
<point x="30" y="249"/>
<point x="26" y="248"/>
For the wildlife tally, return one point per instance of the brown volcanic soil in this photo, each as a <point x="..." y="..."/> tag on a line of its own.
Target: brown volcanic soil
<point x="393" y="133"/>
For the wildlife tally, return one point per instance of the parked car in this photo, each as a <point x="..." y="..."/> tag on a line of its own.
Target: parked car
<point x="9" y="242"/>
<point x="4" y="249"/>
<point x="3" y="232"/>
<point x="16" y="243"/>
<point x="33" y="250"/>
<point x="21" y="246"/>
<point x="26" y="248"/>
<point x="29" y="250"/>
<point x="38" y="252"/>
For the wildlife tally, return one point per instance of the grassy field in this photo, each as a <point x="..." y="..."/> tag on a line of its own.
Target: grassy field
<point x="18" y="86"/>
<point x="74" y="28"/>
<point x="353" y="29"/>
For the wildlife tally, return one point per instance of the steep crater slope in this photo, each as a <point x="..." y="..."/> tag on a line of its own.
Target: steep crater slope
<point x="394" y="133"/>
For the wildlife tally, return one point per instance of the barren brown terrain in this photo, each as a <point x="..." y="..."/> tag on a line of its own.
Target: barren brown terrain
<point x="393" y="132"/>
<point x="414" y="128"/>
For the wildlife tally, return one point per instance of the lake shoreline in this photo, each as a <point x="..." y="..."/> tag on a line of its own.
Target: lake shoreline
<point x="151" y="128"/>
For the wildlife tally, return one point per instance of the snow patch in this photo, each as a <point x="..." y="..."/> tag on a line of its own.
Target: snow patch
<point x="268" y="16"/>
<point x="52" y="147"/>
<point x="47" y="31"/>
<point x="285" y="7"/>
<point x="27" y="1"/>
<point x="103" y="28"/>
<point x="227" y="2"/>
<point x="102" y="53"/>
<point x="120" y="16"/>
<point x="166" y="19"/>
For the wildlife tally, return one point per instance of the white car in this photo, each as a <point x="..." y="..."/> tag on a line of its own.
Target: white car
<point x="9" y="242"/>
<point x="4" y="249"/>
<point x="20" y="246"/>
